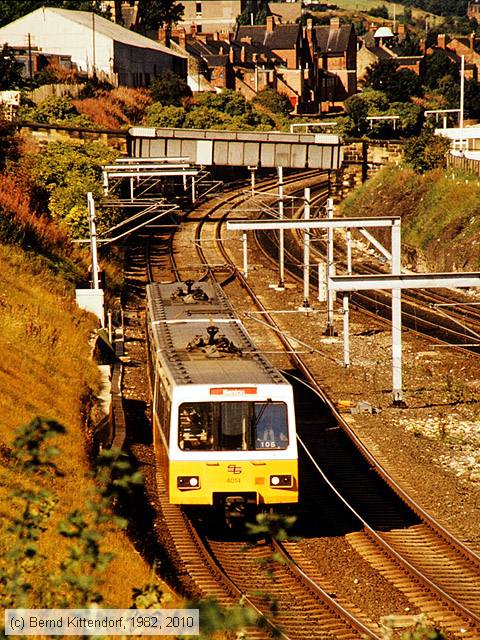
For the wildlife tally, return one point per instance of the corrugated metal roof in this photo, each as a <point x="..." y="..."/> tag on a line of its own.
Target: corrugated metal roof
<point x="109" y="29"/>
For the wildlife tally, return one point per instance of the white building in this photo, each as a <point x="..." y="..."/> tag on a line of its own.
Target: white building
<point x="96" y="45"/>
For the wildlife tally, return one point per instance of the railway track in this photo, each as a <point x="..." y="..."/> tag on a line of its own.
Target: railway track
<point x="449" y="317"/>
<point x="384" y="546"/>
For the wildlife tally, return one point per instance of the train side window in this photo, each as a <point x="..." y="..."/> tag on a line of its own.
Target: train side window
<point x="163" y="408"/>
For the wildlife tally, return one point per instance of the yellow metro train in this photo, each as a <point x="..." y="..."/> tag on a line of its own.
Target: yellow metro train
<point x="223" y="416"/>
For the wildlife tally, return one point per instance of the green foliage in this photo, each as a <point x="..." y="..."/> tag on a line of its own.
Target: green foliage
<point x="153" y="14"/>
<point x="216" y="618"/>
<point x="420" y="630"/>
<point x="361" y="105"/>
<point x="379" y="12"/>
<point x="225" y="110"/>
<point x="55" y="110"/>
<point x="10" y="70"/>
<point x="165" y="116"/>
<point x="206" y="118"/>
<point x="169" y="89"/>
<point x="30" y="442"/>
<point x="63" y="174"/>
<point x="35" y="507"/>
<point x="8" y="142"/>
<point x="274" y="101"/>
<point x="398" y="84"/>
<point x="81" y="570"/>
<point x="426" y="151"/>
<point x="259" y="8"/>
<point x="274" y="525"/>
<point x="438" y="66"/>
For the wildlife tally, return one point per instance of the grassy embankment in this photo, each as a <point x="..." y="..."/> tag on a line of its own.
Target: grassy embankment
<point x="440" y="214"/>
<point x="46" y="370"/>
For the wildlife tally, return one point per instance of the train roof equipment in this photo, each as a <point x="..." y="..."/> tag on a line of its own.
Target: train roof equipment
<point x="199" y="338"/>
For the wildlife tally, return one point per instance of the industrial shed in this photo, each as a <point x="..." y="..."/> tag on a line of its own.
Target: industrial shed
<point x="97" y="46"/>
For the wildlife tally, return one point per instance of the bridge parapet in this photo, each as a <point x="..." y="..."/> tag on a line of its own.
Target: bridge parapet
<point x="239" y="148"/>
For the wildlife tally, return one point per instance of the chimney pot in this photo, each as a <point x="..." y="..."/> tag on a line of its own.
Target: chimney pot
<point x="442" y="41"/>
<point x="270" y="23"/>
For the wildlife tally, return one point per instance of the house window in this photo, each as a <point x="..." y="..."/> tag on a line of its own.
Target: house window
<point x="198" y="7"/>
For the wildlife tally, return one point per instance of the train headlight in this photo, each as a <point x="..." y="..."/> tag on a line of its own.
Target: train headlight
<point x="281" y="481"/>
<point x="188" y="482"/>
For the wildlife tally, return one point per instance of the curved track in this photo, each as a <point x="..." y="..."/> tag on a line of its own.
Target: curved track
<point x="417" y="557"/>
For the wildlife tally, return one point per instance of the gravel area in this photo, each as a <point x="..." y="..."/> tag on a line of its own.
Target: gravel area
<point x="431" y="447"/>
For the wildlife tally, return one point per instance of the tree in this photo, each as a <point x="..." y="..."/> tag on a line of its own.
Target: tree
<point x="10" y="70"/>
<point x="360" y="105"/>
<point x="153" y="14"/>
<point x="438" y="66"/>
<point x="169" y="116"/>
<point x="397" y="84"/>
<point x="427" y="151"/>
<point x="379" y="12"/>
<point x="274" y="101"/>
<point x="61" y="176"/>
<point x="169" y="89"/>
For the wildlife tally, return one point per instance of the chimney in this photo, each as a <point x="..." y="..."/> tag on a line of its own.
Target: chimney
<point x="231" y="55"/>
<point x="242" y="54"/>
<point x="164" y="37"/>
<point x="442" y="41"/>
<point x="216" y="36"/>
<point x="422" y="45"/>
<point x="472" y="41"/>
<point x="270" y="23"/>
<point x="401" y="29"/>
<point x="335" y="22"/>
<point x="182" y="37"/>
<point x="309" y="24"/>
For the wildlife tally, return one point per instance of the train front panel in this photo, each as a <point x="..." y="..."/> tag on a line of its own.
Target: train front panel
<point x="233" y="442"/>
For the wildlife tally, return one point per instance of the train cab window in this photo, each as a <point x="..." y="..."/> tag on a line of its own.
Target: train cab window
<point x="195" y="427"/>
<point x="271" y="431"/>
<point x="232" y="426"/>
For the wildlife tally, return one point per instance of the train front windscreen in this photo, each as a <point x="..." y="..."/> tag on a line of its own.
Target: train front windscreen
<point x="232" y="426"/>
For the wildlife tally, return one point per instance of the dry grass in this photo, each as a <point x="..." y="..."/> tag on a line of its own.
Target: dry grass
<point x="117" y="108"/>
<point x="18" y="219"/>
<point x="45" y="369"/>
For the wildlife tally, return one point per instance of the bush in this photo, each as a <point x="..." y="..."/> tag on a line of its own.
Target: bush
<point x="169" y="89"/>
<point x="55" y="110"/>
<point x="427" y="151"/>
<point x="169" y="116"/>
<point x="275" y="102"/>
<point x="62" y="175"/>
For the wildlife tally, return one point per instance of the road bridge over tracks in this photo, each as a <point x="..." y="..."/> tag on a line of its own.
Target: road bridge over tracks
<point x="238" y="148"/>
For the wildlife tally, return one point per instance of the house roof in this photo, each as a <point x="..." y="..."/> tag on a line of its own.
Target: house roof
<point x="333" y="39"/>
<point x="283" y="36"/>
<point x="216" y="52"/>
<point x="105" y="27"/>
<point x="381" y="53"/>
